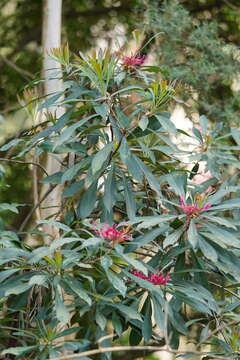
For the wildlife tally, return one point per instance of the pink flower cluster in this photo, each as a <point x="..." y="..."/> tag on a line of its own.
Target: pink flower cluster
<point x="110" y="232"/>
<point x="156" y="279"/>
<point x="133" y="61"/>
<point x="192" y="210"/>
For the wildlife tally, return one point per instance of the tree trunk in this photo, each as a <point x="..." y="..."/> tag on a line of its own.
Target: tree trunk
<point x="51" y="38"/>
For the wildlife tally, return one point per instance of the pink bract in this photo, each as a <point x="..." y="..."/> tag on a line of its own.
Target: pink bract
<point x="192" y="209"/>
<point x="156" y="279"/>
<point x="132" y="61"/>
<point x="110" y="232"/>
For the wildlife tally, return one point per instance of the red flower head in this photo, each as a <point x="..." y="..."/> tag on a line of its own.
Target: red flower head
<point x="156" y="279"/>
<point x="193" y="210"/>
<point x="131" y="62"/>
<point x="110" y="232"/>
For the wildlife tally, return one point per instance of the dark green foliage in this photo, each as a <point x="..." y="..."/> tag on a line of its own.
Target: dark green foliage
<point x="172" y="239"/>
<point x="192" y="49"/>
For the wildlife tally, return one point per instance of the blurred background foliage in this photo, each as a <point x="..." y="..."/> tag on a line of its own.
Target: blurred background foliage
<point x="199" y="47"/>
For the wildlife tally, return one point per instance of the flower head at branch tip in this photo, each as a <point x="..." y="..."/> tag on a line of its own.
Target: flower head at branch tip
<point x="110" y="232"/>
<point x="132" y="61"/>
<point x="194" y="209"/>
<point x="156" y="279"/>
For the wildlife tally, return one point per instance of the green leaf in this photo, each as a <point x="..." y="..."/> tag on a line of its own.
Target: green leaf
<point x="147" y="322"/>
<point x="72" y="189"/>
<point x="70" y="173"/>
<point x="149" y="176"/>
<point x="101" y="320"/>
<point x="109" y="190"/>
<point x="77" y="288"/>
<point x="222" y="235"/>
<point x="6" y="273"/>
<point x="129" y="198"/>
<point x="56" y="224"/>
<point x="173" y="237"/>
<point x="15" y="289"/>
<point x="88" y="200"/>
<point x="130" y="260"/>
<point x="222" y="221"/>
<point x="122" y="118"/>
<point x="128" y="311"/>
<point x="50" y="101"/>
<point x="166" y="123"/>
<point x="19" y="350"/>
<point x="193" y="235"/>
<point x="228" y="204"/>
<point x="116" y="323"/>
<point x="158" y="312"/>
<point x="149" y="221"/>
<point x="10" y="144"/>
<point x="204" y="124"/>
<point x="208" y="251"/>
<point x="133" y="168"/>
<point x="11" y="207"/>
<point x="53" y="179"/>
<point x="66" y="134"/>
<point x="235" y="134"/>
<point x="38" y="280"/>
<point x="143" y="123"/>
<point x="116" y="282"/>
<point x="62" y="312"/>
<point x="93" y="241"/>
<point x="101" y="157"/>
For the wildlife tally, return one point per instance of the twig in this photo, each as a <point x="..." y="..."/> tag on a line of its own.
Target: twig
<point x="26" y="163"/>
<point x="135" y="348"/>
<point x="219" y="328"/>
<point x="24" y="73"/>
<point x="229" y="291"/>
<point x="35" y="207"/>
<point x="105" y="337"/>
<point x="35" y="189"/>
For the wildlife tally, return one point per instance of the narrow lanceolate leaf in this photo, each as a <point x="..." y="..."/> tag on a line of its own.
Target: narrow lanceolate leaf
<point x="77" y="288"/>
<point x="101" y="157"/>
<point x="10" y="144"/>
<point x="204" y="124"/>
<point x="109" y="190"/>
<point x="228" y="204"/>
<point x="208" y="251"/>
<point x="62" y="312"/>
<point x="56" y="224"/>
<point x="88" y="200"/>
<point x="148" y="221"/>
<point x="220" y="235"/>
<point x="149" y="176"/>
<point x="67" y="133"/>
<point x="11" y="207"/>
<point x="116" y="282"/>
<point x="130" y="260"/>
<point x="167" y="124"/>
<point x="222" y="221"/>
<point x="173" y="237"/>
<point x="19" y="350"/>
<point x="129" y="198"/>
<point x="147" y="322"/>
<point x="193" y="235"/>
<point x="127" y="311"/>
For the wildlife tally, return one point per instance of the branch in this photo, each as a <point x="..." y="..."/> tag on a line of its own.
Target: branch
<point x="135" y="348"/>
<point x="24" y="73"/>
<point x="35" y="207"/>
<point x="25" y="163"/>
<point x="225" y="289"/>
<point x="219" y="328"/>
